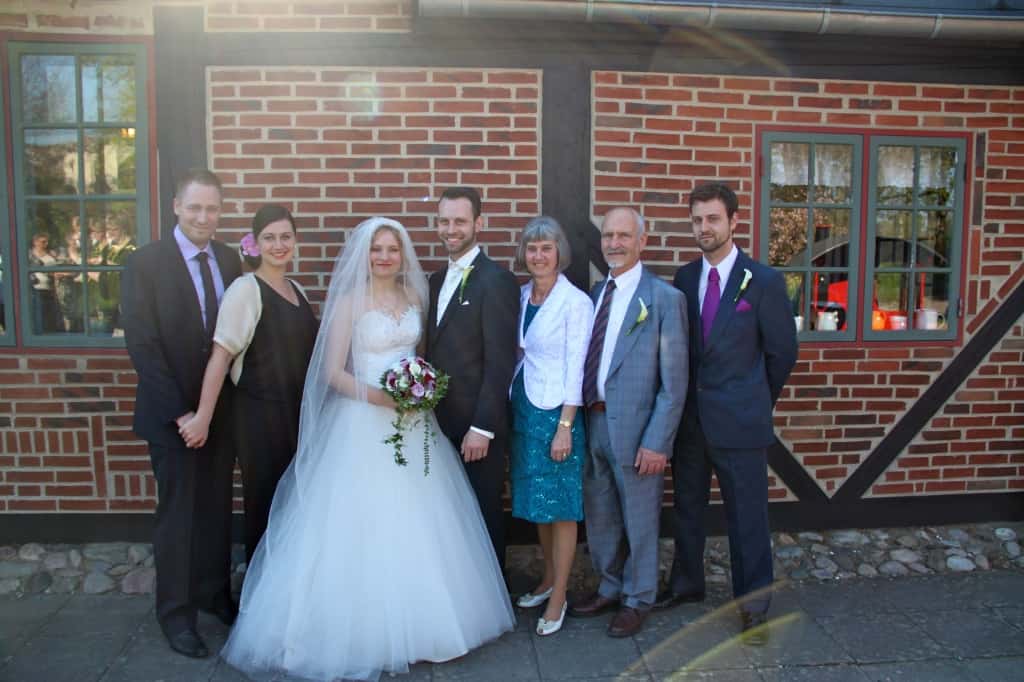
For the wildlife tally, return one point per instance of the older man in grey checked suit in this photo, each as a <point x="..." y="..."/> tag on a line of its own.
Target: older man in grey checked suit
<point x="634" y="386"/>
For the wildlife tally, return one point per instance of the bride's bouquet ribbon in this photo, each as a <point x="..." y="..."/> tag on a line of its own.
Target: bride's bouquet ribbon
<point x="416" y="387"/>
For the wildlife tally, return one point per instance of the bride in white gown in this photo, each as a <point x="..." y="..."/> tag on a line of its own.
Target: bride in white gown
<point x="367" y="566"/>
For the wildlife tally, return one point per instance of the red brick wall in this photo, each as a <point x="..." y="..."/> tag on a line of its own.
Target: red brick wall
<point x="655" y="135"/>
<point x="346" y="16"/>
<point x="58" y="16"/>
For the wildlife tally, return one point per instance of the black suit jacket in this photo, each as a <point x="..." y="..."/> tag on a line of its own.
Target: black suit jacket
<point x="475" y="344"/>
<point x="738" y="375"/>
<point x="163" y="328"/>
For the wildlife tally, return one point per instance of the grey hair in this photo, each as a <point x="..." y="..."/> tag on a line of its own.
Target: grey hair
<point x="637" y="218"/>
<point x="542" y="229"/>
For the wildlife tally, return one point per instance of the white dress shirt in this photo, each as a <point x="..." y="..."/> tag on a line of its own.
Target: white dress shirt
<point x="724" y="270"/>
<point x="625" y="287"/>
<point x="189" y="251"/>
<point x="453" y="279"/>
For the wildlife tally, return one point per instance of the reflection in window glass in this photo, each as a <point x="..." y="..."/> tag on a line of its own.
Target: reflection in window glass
<point x="895" y="181"/>
<point x="788" y="237"/>
<point x="51" y="161"/>
<point x="48" y="88"/>
<point x="833" y="165"/>
<point x="890" y="301"/>
<point x="893" y="232"/>
<point x="789" y="171"/>
<point x="934" y="238"/>
<point x="109" y="161"/>
<point x="3" y="300"/>
<point x="108" y="88"/>
<point x="938" y="176"/>
<point x="79" y="138"/>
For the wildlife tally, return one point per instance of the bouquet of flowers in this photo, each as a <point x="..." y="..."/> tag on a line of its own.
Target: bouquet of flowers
<point x="417" y="388"/>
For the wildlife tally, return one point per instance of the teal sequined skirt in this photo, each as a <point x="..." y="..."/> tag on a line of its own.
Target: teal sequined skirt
<point x="544" y="490"/>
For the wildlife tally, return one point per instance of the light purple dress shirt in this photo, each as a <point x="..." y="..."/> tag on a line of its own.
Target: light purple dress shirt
<point x="189" y="251"/>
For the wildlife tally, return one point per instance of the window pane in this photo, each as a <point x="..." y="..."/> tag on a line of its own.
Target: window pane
<point x="895" y="175"/>
<point x="51" y="161"/>
<point x="787" y="243"/>
<point x="831" y="237"/>
<point x="795" y="293"/>
<point x="109" y="161"/>
<point x="43" y="297"/>
<point x="893" y="238"/>
<point x="829" y="301"/>
<point x="934" y="238"/>
<point x="890" y="301"/>
<point x="108" y="88"/>
<point x="789" y="171"/>
<point x="112" y="231"/>
<point x="48" y="88"/>
<point x="938" y="176"/>
<point x="932" y="307"/>
<point x="833" y="173"/>
<point x="104" y="296"/>
<point x="52" y="219"/>
<point x="69" y="301"/>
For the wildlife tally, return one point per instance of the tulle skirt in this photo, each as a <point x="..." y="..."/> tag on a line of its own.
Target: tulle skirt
<point x="367" y="566"/>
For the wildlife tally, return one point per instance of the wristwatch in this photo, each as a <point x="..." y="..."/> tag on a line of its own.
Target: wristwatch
<point x="565" y="422"/>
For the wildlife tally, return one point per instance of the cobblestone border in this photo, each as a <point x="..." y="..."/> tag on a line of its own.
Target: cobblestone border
<point x="99" y="568"/>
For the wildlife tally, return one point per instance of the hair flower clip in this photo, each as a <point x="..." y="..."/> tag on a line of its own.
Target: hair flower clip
<point x="249" y="247"/>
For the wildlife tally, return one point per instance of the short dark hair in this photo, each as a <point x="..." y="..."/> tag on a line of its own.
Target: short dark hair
<point x="199" y="176"/>
<point x="464" y="193"/>
<point x="271" y="213"/>
<point x="710" y="191"/>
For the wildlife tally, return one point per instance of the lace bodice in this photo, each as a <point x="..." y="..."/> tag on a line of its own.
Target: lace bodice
<point x="381" y="340"/>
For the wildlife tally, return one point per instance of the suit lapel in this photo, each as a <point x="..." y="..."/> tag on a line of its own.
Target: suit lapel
<point x="727" y="307"/>
<point x="436" y="282"/>
<point x="182" y="279"/>
<point x="690" y="282"/>
<point x="627" y="335"/>
<point x="467" y="294"/>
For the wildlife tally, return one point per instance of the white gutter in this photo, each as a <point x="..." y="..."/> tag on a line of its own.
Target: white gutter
<point x="735" y="17"/>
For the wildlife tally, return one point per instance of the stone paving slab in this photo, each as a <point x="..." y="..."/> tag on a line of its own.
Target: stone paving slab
<point x="916" y="629"/>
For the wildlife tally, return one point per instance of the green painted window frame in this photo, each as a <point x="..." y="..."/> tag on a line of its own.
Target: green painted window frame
<point x="853" y="244"/>
<point x="956" y="246"/>
<point x="141" y="196"/>
<point x="7" y="337"/>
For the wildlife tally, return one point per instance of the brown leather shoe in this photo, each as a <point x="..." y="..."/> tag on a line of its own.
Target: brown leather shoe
<point x="593" y="605"/>
<point x="627" y="622"/>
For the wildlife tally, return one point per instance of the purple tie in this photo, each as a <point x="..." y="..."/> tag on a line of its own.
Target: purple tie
<point x="711" y="299"/>
<point x="593" y="361"/>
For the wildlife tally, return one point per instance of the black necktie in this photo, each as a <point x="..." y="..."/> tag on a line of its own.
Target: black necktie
<point x="209" y="291"/>
<point x="593" y="361"/>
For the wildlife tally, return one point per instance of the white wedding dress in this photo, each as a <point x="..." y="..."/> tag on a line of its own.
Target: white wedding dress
<point x="367" y="566"/>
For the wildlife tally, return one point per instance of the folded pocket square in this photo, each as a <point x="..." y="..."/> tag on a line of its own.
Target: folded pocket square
<point x="743" y="306"/>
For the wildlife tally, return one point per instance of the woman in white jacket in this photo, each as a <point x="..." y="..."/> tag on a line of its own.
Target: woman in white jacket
<point x="548" y="442"/>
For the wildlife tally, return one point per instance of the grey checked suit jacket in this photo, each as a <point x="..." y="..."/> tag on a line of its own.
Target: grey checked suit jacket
<point x="646" y="384"/>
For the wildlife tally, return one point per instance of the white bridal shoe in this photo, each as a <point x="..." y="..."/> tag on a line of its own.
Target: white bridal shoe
<point x="550" y="627"/>
<point x="529" y="600"/>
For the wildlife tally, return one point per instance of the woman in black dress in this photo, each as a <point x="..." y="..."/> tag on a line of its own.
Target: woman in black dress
<point x="265" y="334"/>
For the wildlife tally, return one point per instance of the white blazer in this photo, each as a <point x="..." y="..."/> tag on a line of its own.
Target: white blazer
<point x="554" y="349"/>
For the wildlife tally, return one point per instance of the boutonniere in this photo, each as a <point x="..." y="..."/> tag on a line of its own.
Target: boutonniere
<point x="747" y="276"/>
<point x="462" y="284"/>
<point x="640" y="319"/>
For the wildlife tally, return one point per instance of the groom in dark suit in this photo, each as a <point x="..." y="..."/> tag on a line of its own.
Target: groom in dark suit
<point x="471" y="335"/>
<point x="170" y="294"/>
<point x="742" y="349"/>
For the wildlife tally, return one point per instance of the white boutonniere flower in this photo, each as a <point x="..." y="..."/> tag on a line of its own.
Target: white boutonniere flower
<point x="747" y="276"/>
<point x="462" y="284"/>
<point x="641" y="318"/>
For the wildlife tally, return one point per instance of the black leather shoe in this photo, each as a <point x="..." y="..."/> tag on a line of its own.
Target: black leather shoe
<point x="755" y="628"/>
<point x="667" y="599"/>
<point x="225" y="611"/>
<point x="187" y="643"/>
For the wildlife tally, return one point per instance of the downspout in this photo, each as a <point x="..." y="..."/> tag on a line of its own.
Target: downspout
<point x="736" y="17"/>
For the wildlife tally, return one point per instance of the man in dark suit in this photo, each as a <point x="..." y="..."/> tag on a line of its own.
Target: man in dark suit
<point x="741" y="353"/>
<point x="169" y="298"/>
<point x="471" y="335"/>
